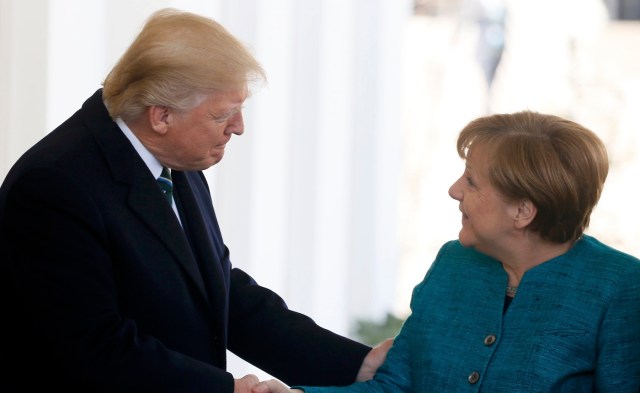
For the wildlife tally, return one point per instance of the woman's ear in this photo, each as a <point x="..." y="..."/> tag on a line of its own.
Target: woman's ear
<point x="526" y="213"/>
<point x="160" y="118"/>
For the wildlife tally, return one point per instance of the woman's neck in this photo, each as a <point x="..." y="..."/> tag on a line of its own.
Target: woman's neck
<point x="529" y="254"/>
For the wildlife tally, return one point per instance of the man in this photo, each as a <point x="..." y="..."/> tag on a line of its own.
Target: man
<point x="116" y="281"/>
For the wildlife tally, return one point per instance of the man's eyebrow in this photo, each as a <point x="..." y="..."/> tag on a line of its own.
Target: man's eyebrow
<point x="228" y="113"/>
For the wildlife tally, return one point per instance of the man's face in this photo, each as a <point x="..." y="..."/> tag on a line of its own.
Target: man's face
<point x="196" y="139"/>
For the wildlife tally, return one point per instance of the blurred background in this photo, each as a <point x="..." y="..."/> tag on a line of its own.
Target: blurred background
<point x="336" y="195"/>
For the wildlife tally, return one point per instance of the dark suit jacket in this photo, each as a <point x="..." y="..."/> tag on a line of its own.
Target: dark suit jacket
<point x="103" y="290"/>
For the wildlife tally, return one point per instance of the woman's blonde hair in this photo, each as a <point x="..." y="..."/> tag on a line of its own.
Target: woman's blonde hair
<point x="557" y="164"/>
<point x="176" y="60"/>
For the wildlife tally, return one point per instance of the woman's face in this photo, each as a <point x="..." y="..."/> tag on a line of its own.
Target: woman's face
<point x="488" y="218"/>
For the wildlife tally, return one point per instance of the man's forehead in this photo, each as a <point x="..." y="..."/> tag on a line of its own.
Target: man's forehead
<point x="226" y="99"/>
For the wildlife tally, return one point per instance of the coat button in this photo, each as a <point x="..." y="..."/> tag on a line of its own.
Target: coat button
<point x="474" y="377"/>
<point x="489" y="340"/>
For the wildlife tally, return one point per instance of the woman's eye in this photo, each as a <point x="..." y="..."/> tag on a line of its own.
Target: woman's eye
<point x="470" y="181"/>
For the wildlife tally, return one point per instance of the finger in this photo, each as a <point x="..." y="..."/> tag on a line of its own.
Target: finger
<point x="250" y="379"/>
<point x="270" y="386"/>
<point x="262" y="387"/>
<point x="386" y="343"/>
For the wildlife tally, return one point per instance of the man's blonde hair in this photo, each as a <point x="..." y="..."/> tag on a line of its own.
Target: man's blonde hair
<point x="177" y="59"/>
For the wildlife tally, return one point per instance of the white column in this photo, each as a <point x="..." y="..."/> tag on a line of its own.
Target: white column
<point x="23" y="83"/>
<point x="77" y="60"/>
<point x="376" y="159"/>
<point x="335" y="145"/>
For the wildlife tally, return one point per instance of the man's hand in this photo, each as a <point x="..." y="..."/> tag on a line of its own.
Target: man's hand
<point x="373" y="360"/>
<point x="273" y="386"/>
<point x="244" y="384"/>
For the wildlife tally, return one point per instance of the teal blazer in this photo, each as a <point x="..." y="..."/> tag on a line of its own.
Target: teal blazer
<point x="574" y="326"/>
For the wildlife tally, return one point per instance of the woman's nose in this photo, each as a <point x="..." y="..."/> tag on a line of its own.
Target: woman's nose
<point x="455" y="191"/>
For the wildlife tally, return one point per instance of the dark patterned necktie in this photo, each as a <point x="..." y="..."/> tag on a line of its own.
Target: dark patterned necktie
<point x="166" y="184"/>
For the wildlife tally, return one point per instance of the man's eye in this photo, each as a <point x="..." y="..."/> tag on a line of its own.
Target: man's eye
<point x="220" y="119"/>
<point x="226" y="116"/>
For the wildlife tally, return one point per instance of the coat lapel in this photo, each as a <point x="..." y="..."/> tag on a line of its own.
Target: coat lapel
<point x="152" y="208"/>
<point x="191" y="212"/>
<point x="145" y="198"/>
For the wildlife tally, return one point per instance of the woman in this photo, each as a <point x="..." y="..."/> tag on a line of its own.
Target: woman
<point x="524" y="301"/>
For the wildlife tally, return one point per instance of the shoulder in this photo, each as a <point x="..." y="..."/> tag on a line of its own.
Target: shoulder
<point x="457" y="265"/>
<point x="611" y="273"/>
<point x="603" y="259"/>
<point x="457" y="256"/>
<point x="70" y="145"/>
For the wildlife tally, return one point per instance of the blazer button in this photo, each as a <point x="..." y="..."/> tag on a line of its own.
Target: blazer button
<point x="474" y="377"/>
<point x="489" y="340"/>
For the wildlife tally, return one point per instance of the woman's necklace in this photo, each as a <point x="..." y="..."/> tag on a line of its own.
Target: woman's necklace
<point x="511" y="291"/>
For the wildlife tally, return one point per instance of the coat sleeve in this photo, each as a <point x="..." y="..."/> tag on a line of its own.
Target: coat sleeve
<point x="286" y="344"/>
<point x="398" y="373"/>
<point x="395" y="375"/>
<point x="265" y="332"/>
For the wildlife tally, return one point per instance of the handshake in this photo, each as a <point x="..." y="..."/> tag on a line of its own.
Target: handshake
<point x="251" y="384"/>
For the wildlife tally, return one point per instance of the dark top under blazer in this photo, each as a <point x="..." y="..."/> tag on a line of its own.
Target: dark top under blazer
<point x="101" y="290"/>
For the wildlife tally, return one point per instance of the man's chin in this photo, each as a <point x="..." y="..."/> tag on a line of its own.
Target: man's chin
<point x="203" y="164"/>
<point x="214" y="160"/>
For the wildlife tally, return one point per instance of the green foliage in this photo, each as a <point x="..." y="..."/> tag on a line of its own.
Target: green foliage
<point x="374" y="332"/>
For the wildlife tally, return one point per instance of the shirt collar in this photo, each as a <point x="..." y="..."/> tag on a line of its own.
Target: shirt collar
<point x="152" y="163"/>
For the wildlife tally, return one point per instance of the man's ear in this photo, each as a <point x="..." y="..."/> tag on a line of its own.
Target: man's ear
<point x="160" y="118"/>
<point x="526" y="213"/>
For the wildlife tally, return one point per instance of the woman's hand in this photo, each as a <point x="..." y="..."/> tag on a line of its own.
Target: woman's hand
<point x="373" y="360"/>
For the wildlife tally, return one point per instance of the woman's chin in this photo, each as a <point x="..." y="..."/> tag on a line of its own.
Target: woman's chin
<point x="464" y="240"/>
